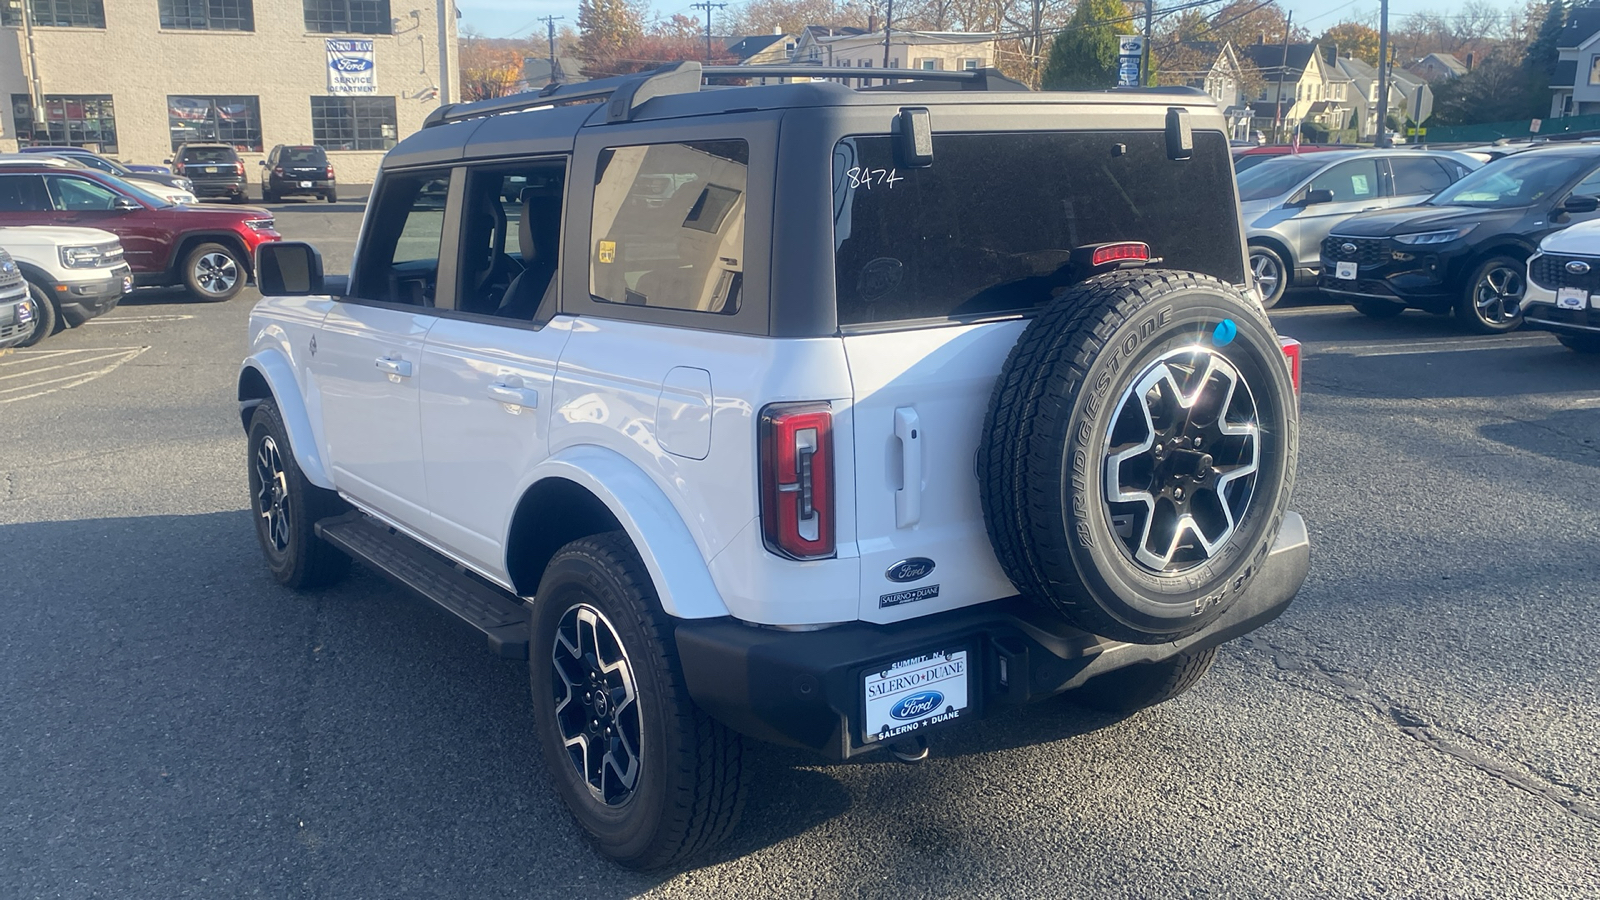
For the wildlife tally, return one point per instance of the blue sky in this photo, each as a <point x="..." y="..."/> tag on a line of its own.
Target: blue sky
<point x="517" y="18"/>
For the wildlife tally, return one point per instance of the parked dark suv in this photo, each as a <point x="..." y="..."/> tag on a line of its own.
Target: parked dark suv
<point x="297" y="169"/>
<point x="215" y="169"/>
<point x="208" y="249"/>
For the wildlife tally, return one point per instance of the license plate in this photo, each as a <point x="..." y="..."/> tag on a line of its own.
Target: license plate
<point x="24" y="312"/>
<point x="1345" y="270"/>
<point x="1572" y="298"/>
<point x="915" y="693"/>
<point x="127" y="284"/>
<point x="305" y="184"/>
<point x="211" y="169"/>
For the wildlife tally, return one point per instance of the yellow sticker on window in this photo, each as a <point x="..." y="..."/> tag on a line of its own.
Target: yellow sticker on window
<point x="608" y="251"/>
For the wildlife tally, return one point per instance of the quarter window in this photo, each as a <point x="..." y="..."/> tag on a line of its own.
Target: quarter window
<point x="76" y="120"/>
<point x="60" y="13"/>
<point x="353" y="123"/>
<point x="669" y="226"/>
<point x="347" y="16"/>
<point x="1418" y="175"/>
<point x="227" y="120"/>
<point x="1349" y="182"/>
<point x="23" y="193"/>
<point x="399" y="262"/>
<point x="208" y="15"/>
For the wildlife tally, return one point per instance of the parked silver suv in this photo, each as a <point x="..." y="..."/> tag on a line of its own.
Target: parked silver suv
<point x="1292" y="202"/>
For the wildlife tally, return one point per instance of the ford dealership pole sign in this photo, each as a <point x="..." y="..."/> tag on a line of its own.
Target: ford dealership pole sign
<point x="351" y="69"/>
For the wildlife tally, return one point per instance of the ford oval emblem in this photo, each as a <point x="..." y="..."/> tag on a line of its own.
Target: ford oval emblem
<point x="1578" y="267"/>
<point x="914" y="569"/>
<point x="1347" y="247"/>
<point x="917" y="705"/>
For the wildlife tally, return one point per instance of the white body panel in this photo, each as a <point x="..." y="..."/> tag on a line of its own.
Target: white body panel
<point x="40" y="246"/>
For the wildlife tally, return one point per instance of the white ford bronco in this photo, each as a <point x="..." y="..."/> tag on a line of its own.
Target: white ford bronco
<point x="814" y="415"/>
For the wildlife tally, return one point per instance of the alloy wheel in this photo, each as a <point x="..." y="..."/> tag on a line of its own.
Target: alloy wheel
<point x="216" y="273"/>
<point x="1266" y="272"/>
<point x="1182" y="454"/>
<point x="272" y="493"/>
<point x="1497" y="297"/>
<point x="597" y="704"/>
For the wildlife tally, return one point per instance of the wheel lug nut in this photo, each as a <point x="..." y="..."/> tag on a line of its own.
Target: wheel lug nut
<point x="1178" y="493"/>
<point x="1197" y="440"/>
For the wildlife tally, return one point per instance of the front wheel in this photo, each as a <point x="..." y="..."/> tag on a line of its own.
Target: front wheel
<point x="1492" y="302"/>
<point x="647" y="775"/>
<point x="47" y="320"/>
<point x="1140" y="686"/>
<point x="287" y="506"/>
<point x="213" y="272"/>
<point x="1270" y="273"/>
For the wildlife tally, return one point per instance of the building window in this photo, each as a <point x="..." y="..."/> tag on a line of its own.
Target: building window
<point x="353" y="123"/>
<point x="229" y="120"/>
<point x="70" y="119"/>
<point x="60" y="13"/>
<point x="347" y="16"/>
<point x="928" y="65"/>
<point x="1594" y="70"/>
<point x="972" y="65"/>
<point x="208" y="15"/>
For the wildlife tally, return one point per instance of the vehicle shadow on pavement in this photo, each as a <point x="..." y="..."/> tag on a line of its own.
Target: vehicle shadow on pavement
<point x="1571" y="435"/>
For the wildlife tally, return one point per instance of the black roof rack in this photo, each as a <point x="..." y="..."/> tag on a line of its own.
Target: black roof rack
<point x="626" y="93"/>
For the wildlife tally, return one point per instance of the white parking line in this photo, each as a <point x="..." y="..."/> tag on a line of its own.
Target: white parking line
<point x="77" y="360"/>
<point x="1380" y="348"/>
<point x="1298" y="312"/>
<point x="132" y="320"/>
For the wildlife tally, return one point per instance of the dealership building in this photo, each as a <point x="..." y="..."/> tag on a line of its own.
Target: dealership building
<point x="134" y="79"/>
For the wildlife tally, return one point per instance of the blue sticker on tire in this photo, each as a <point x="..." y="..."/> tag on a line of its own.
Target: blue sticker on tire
<point x="1224" y="334"/>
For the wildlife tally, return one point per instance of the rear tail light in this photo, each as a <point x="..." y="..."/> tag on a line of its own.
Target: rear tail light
<point x="797" y="507"/>
<point x="1291" y="352"/>
<point x="278" y="170"/>
<point x="330" y="173"/>
<point x="177" y="168"/>
<point x="239" y="167"/>
<point x="1127" y="251"/>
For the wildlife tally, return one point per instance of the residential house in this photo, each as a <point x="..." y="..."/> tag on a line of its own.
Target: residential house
<point x="948" y="51"/>
<point x="772" y="49"/>
<point x="1409" y="96"/>
<point x="1299" y="84"/>
<point x="1575" y="86"/>
<point x="1214" y="68"/>
<point x="1439" y="67"/>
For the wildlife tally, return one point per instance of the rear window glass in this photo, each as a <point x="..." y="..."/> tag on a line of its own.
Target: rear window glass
<point x="989" y="228"/>
<point x="669" y="226"/>
<point x="304" y="156"/>
<point x="208" y="154"/>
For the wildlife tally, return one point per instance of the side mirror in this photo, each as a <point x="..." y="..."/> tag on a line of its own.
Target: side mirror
<point x="1314" y="197"/>
<point x="167" y="161"/>
<point x="262" y="163"/>
<point x="288" y="269"/>
<point x="1581" y="204"/>
<point x="123" y="204"/>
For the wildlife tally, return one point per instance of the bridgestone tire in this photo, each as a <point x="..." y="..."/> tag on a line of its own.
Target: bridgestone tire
<point x="689" y="785"/>
<point x="1378" y="309"/>
<point x="47" y="320"/>
<point x="296" y="557"/>
<point x="1045" y="453"/>
<point x="1140" y="686"/>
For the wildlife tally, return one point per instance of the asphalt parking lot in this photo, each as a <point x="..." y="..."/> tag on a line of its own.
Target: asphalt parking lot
<point x="1422" y="722"/>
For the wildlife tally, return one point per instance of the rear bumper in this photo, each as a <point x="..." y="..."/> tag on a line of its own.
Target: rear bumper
<point x="288" y="185"/>
<point x="231" y="187"/>
<point x="804" y="689"/>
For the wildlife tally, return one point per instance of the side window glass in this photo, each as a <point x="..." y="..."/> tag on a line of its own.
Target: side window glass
<point x="1349" y="182"/>
<point x="22" y="193"/>
<point x="669" y="226"/>
<point x="399" y="263"/>
<point x="1418" y="175"/>
<point x="79" y="194"/>
<point x="511" y="239"/>
<point x="1589" y="187"/>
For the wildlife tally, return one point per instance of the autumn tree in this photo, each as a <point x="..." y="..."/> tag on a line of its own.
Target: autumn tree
<point x="489" y="68"/>
<point x="606" y="30"/>
<point x="1083" y="57"/>
<point x="1352" y="39"/>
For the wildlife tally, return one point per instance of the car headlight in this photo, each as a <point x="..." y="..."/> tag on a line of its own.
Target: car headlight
<point x="259" y="224"/>
<point x="187" y="185"/>
<point x="1434" y="237"/>
<point x="85" y="257"/>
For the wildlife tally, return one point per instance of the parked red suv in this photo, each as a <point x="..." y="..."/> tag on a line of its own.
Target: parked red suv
<point x="208" y="249"/>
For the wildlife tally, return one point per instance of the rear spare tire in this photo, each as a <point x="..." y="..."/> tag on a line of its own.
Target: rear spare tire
<point x="1138" y="453"/>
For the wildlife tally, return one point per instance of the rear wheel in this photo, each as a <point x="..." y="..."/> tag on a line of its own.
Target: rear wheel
<point x="1580" y="343"/>
<point x="1492" y="303"/>
<point x="332" y="197"/>
<point x="649" y="777"/>
<point x="47" y="318"/>
<point x="1270" y="274"/>
<point x="1140" y="686"/>
<point x="1378" y="309"/>
<point x="269" y="196"/>
<point x="213" y="272"/>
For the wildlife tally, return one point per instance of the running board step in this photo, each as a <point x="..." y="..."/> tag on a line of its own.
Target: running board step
<point x="501" y="616"/>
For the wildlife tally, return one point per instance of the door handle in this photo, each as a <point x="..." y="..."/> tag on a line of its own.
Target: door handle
<point x="528" y="398"/>
<point x="908" y="499"/>
<point x="1370" y="208"/>
<point x="400" y="367"/>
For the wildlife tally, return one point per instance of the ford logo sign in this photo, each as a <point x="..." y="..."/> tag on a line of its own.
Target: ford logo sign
<point x="351" y="63"/>
<point x="1347" y="247"/>
<point x="1578" y="267"/>
<point x="917" y="705"/>
<point x="913" y="569"/>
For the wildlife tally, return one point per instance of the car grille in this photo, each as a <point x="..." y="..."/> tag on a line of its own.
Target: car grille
<point x="1551" y="272"/>
<point x="7" y="332"/>
<point x="1368" y="252"/>
<point x="10" y="276"/>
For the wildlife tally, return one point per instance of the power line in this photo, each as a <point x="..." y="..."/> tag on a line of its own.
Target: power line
<point x="708" y="6"/>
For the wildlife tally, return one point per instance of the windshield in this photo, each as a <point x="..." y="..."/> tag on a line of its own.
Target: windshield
<point x="1513" y="181"/>
<point x="1276" y="177"/>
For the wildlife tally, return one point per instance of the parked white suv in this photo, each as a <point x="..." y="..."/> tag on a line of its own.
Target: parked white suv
<point x="73" y="273"/>
<point x="825" y="417"/>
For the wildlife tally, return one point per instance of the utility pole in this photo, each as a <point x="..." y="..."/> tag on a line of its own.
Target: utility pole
<point x="1288" y="26"/>
<point x="1149" y="29"/>
<point x="1383" y="75"/>
<point x="708" y="6"/>
<point x="40" y="117"/>
<point x="550" y="26"/>
<point x="888" y="27"/>
<point x="444" y="10"/>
